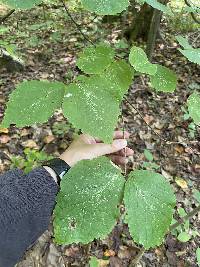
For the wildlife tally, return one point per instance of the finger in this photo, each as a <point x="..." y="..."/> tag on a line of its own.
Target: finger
<point x="117" y="135"/>
<point x="118" y="160"/>
<point x="121" y="135"/>
<point x="128" y="152"/>
<point x="105" y="149"/>
<point x="87" y="139"/>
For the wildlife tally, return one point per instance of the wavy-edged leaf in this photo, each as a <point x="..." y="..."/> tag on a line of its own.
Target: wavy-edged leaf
<point x="183" y="42"/>
<point x="194" y="107"/>
<point x="22" y="4"/>
<point x="192" y="55"/>
<point x="97" y="99"/>
<point x="156" y="4"/>
<point x="105" y="7"/>
<point x="140" y="62"/>
<point x="120" y="75"/>
<point x="164" y="80"/>
<point x="149" y="202"/>
<point x="87" y="204"/>
<point x="94" y="60"/>
<point x="33" y="102"/>
<point x="91" y="108"/>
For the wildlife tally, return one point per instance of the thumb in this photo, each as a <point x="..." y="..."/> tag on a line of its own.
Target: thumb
<point x="104" y="149"/>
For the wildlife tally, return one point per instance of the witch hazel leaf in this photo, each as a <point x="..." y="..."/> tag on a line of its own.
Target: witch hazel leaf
<point x="120" y="75"/>
<point x="156" y="4"/>
<point x="87" y="204"/>
<point x="164" y="80"/>
<point x="98" y="99"/>
<point x="33" y="102"/>
<point x="105" y="7"/>
<point x="94" y="60"/>
<point x="194" y="107"/>
<point x="149" y="202"/>
<point x="192" y="55"/>
<point x="140" y="62"/>
<point x="99" y="110"/>
<point x="183" y="42"/>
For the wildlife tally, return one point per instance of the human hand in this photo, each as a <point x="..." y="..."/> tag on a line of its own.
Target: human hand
<point x="88" y="147"/>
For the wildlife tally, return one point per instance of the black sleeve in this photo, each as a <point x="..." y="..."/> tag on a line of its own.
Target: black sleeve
<point x="26" y="205"/>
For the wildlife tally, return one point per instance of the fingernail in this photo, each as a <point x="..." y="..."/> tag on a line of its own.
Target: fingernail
<point x="120" y="143"/>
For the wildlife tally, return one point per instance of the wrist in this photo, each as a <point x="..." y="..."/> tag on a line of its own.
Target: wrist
<point x="70" y="157"/>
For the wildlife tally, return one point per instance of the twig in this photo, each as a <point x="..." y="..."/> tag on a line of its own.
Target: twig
<point x="138" y="257"/>
<point x="185" y="218"/>
<point x="75" y="23"/>
<point x="125" y="151"/>
<point x="192" y="14"/>
<point x="2" y="20"/>
<point x="141" y="116"/>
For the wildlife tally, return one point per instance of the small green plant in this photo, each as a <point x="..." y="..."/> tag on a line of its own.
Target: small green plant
<point x="184" y="232"/>
<point x="149" y="164"/>
<point x="191" y="126"/>
<point x="32" y="158"/>
<point x="61" y="128"/>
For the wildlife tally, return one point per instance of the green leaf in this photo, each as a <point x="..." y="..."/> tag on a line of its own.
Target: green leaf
<point x="159" y="6"/>
<point x="140" y="62"/>
<point x="183" y="237"/>
<point x="164" y="80"/>
<point x="94" y="60"/>
<point x="120" y="75"/>
<point x="182" y="212"/>
<point x="22" y="4"/>
<point x="87" y="204"/>
<point x="198" y="256"/>
<point x="94" y="262"/>
<point x="33" y="102"/>
<point x="192" y="55"/>
<point x="148" y="155"/>
<point x="194" y="107"/>
<point x="105" y="7"/>
<point x="150" y="165"/>
<point x="97" y="99"/>
<point x="149" y="202"/>
<point x="196" y="195"/>
<point x="183" y="42"/>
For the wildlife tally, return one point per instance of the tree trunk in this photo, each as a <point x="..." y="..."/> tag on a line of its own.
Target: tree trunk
<point x="153" y="31"/>
<point x="140" y="25"/>
<point x="152" y="35"/>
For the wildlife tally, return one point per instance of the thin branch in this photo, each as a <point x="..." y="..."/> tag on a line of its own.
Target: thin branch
<point x="185" y="218"/>
<point x="125" y="150"/>
<point x="192" y="13"/>
<point x="138" y="257"/>
<point x="2" y="20"/>
<point x="141" y="116"/>
<point x="75" y="23"/>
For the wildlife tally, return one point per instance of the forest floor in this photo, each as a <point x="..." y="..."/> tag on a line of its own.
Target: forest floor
<point x="49" y="44"/>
